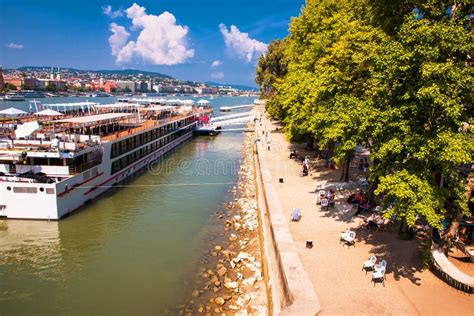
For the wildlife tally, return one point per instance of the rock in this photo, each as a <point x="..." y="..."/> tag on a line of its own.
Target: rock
<point x="233" y="307"/>
<point x="215" y="289"/>
<point x="200" y="310"/>
<point x="250" y="281"/>
<point x="231" y="285"/>
<point x="214" y="279"/>
<point x="195" y="293"/>
<point x="233" y="237"/>
<point x="210" y="272"/>
<point x="214" y="254"/>
<point x="205" y="275"/>
<point x="226" y="253"/>
<point x="218" y="248"/>
<point x="222" y="271"/>
<point x="219" y="301"/>
<point x="240" y="302"/>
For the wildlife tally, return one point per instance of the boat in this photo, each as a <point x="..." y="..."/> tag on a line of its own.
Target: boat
<point x="32" y="94"/>
<point x="51" y="167"/>
<point x="208" y="130"/>
<point x="14" y="96"/>
<point x="101" y="95"/>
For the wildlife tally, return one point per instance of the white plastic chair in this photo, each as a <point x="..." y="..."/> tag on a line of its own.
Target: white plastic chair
<point x="369" y="264"/>
<point x="379" y="275"/>
<point x="350" y="238"/>
<point x="381" y="265"/>
<point x="343" y="235"/>
<point x="324" y="203"/>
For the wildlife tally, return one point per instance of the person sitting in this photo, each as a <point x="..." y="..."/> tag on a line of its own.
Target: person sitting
<point x="330" y="197"/>
<point x="293" y="154"/>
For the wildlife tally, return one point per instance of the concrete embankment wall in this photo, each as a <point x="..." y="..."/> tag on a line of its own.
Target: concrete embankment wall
<point x="289" y="287"/>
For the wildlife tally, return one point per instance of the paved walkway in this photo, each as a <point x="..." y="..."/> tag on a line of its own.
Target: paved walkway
<point x="335" y="270"/>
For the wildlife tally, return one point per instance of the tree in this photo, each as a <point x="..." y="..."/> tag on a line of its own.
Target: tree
<point x="271" y="67"/>
<point x="51" y="87"/>
<point x="394" y="76"/>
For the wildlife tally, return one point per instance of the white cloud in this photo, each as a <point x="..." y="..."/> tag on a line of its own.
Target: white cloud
<point x="14" y="46"/>
<point x="118" y="39"/>
<point x="216" y="63"/>
<point x="107" y="10"/>
<point x="241" y="44"/>
<point x="161" y="41"/>
<point x="217" y="75"/>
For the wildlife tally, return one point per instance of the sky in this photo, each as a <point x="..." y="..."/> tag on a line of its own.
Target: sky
<point x="201" y="40"/>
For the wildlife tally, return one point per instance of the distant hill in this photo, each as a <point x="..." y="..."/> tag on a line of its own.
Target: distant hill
<point x="235" y="86"/>
<point x="124" y="72"/>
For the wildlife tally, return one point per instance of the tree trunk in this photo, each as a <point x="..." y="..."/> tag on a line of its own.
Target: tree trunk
<point x="372" y="188"/>
<point x="343" y="171"/>
<point x="347" y="166"/>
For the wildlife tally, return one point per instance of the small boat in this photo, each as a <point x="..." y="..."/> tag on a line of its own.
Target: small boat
<point x="14" y="96"/>
<point x="208" y="130"/>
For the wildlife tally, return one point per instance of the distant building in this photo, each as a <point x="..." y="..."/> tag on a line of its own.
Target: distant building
<point x="143" y="86"/>
<point x="2" y="82"/>
<point x="126" y="85"/>
<point x="21" y="83"/>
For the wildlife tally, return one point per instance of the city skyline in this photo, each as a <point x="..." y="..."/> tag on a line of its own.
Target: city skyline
<point x="183" y="40"/>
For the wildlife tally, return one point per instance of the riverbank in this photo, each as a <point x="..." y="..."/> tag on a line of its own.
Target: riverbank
<point x="231" y="281"/>
<point x="334" y="271"/>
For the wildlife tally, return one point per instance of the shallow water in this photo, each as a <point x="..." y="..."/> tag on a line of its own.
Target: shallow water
<point x="134" y="250"/>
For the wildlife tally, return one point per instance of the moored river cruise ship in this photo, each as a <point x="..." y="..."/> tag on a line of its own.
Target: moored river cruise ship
<point x="60" y="158"/>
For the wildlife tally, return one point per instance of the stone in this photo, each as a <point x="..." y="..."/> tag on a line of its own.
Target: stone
<point x="200" y="310"/>
<point x="231" y="285"/>
<point x="233" y="237"/>
<point x="219" y="301"/>
<point x="214" y="254"/>
<point x="215" y="289"/>
<point x="218" y="248"/>
<point x="222" y="271"/>
<point x="195" y="293"/>
<point x="250" y="281"/>
<point x="214" y="279"/>
<point x="233" y="307"/>
<point x="210" y="272"/>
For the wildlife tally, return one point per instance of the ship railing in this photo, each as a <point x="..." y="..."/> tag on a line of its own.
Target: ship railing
<point x="75" y="169"/>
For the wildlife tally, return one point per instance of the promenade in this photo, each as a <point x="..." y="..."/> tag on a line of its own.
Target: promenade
<point x="334" y="270"/>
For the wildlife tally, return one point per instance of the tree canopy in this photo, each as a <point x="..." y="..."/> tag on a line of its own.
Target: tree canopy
<point x="393" y="76"/>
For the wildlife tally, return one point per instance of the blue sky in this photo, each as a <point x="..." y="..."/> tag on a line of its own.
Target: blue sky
<point x="183" y="44"/>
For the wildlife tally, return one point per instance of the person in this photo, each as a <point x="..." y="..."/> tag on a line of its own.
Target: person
<point x="304" y="172"/>
<point x="361" y="165"/>
<point x="330" y="197"/>
<point x="293" y="154"/>
<point x="366" y="166"/>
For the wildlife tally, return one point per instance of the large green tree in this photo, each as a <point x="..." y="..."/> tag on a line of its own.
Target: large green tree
<point x="394" y="76"/>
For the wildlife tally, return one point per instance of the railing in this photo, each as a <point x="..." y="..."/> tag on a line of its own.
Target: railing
<point x="75" y="169"/>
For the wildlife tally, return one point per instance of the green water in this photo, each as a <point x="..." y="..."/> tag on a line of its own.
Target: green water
<point x="136" y="250"/>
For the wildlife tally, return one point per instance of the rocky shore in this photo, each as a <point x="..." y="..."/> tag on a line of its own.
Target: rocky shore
<point x="231" y="282"/>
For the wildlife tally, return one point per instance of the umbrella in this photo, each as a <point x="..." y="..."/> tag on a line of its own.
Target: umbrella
<point x="202" y="102"/>
<point x="49" y="112"/>
<point x="12" y="112"/>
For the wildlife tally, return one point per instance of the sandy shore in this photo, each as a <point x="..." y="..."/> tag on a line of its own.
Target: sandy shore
<point x="335" y="270"/>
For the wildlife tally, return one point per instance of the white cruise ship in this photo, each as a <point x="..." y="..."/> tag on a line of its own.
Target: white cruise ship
<point x="67" y="155"/>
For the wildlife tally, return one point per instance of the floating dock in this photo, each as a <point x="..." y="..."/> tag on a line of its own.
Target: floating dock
<point x="230" y="108"/>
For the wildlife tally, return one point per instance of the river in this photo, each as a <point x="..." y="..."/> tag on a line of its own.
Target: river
<point x="137" y="249"/>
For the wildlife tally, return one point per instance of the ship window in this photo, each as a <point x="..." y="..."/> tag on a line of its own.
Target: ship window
<point x="9" y="188"/>
<point x="25" y="190"/>
<point x="41" y="189"/>
<point x="49" y="191"/>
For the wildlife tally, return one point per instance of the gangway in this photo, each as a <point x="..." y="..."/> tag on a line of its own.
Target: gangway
<point x="236" y="107"/>
<point x="230" y="116"/>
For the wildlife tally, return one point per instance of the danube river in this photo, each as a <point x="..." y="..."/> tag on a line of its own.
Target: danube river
<point x="137" y="249"/>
